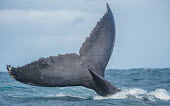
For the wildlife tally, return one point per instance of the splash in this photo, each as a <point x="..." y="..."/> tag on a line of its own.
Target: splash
<point x="141" y="94"/>
<point x="160" y="94"/>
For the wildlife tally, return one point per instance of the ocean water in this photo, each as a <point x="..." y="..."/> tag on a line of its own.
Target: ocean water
<point x="140" y="87"/>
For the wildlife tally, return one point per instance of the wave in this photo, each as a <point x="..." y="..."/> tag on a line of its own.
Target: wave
<point x="64" y="95"/>
<point x="126" y="93"/>
<point x="138" y="93"/>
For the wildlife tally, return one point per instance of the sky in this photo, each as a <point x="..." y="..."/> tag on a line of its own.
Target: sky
<point x="31" y="29"/>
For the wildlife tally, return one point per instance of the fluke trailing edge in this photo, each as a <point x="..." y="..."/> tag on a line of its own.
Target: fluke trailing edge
<point x="86" y="69"/>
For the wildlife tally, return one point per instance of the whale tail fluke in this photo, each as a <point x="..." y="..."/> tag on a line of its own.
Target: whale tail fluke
<point x="86" y="69"/>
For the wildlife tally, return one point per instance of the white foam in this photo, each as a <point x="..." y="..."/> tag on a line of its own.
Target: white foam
<point x="161" y="94"/>
<point x="64" y="95"/>
<point x="137" y="93"/>
<point x="58" y="95"/>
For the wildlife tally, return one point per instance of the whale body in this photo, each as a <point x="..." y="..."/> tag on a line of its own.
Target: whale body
<point x="86" y="69"/>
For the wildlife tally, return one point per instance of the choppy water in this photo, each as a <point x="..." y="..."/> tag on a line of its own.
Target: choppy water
<point x="140" y="87"/>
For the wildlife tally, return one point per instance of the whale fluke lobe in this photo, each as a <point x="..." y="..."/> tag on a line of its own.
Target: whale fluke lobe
<point x="97" y="48"/>
<point x="86" y="69"/>
<point x="55" y="71"/>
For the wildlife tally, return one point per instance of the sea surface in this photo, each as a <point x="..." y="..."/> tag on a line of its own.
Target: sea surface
<point x="140" y="87"/>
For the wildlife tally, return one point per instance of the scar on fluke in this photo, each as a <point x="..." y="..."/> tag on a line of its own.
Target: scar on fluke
<point x="86" y="69"/>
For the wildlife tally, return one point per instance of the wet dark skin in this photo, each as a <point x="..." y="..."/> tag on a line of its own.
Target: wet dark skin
<point x="86" y="69"/>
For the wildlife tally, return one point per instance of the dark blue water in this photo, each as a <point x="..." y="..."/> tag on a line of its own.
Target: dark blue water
<point x="140" y="87"/>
